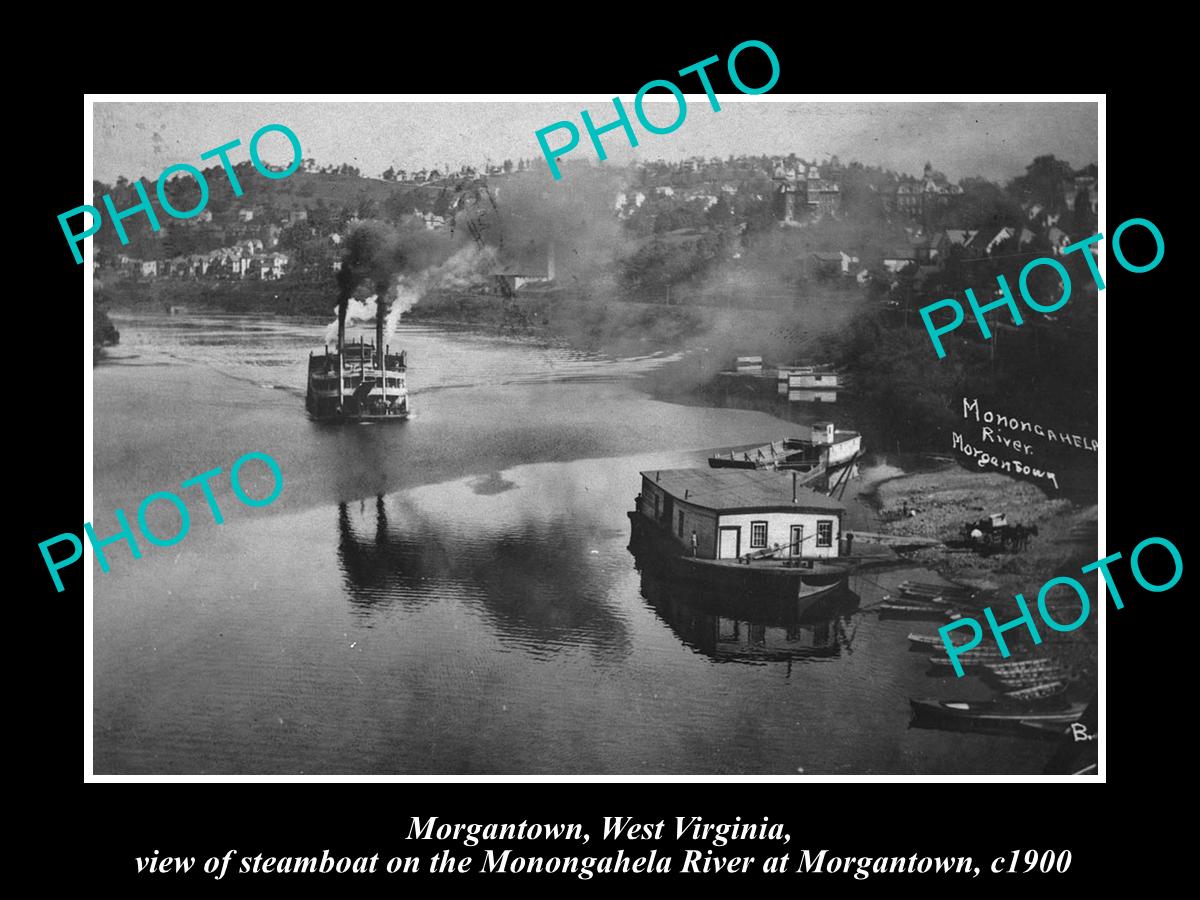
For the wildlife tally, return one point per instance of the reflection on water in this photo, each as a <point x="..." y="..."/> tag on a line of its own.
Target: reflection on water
<point x="728" y="630"/>
<point x="525" y="579"/>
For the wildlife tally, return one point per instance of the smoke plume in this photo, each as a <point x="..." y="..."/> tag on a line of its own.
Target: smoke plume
<point x="401" y="265"/>
<point x="527" y="215"/>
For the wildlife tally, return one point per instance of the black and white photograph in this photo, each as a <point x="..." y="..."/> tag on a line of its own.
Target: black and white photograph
<point x="428" y="441"/>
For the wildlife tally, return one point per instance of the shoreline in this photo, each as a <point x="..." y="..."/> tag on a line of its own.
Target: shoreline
<point x="945" y="498"/>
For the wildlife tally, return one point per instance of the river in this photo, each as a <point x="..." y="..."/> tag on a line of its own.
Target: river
<point x="454" y="594"/>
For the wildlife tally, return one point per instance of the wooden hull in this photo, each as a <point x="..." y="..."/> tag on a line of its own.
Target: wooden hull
<point x="353" y="418"/>
<point x="1044" y="719"/>
<point x="762" y="580"/>
<point x="933" y="592"/>
<point x="914" y="611"/>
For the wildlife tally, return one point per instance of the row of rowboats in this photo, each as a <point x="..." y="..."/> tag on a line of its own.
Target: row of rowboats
<point x="1032" y="691"/>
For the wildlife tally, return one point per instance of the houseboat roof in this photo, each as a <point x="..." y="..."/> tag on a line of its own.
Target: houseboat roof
<point x="739" y="490"/>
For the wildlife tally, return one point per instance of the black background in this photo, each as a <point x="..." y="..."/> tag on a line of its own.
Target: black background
<point x="1113" y="830"/>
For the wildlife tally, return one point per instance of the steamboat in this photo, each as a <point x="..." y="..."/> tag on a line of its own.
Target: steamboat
<point x="360" y="382"/>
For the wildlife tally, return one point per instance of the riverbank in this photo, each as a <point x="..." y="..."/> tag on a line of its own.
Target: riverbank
<point x="946" y="499"/>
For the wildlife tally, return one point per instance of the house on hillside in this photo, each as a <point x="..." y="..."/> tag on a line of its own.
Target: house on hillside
<point x="835" y="263"/>
<point x="530" y="268"/>
<point x="958" y="237"/>
<point x="989" y="240"/>
<point x="897" y="259"/>
<point x="1058" y="240"/>
<point x="821" y="194"/>
<point x="268" y="267"/>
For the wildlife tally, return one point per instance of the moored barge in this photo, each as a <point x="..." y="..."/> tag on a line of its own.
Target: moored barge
<point x="825" y="448"/>
<point x="745" y="531"/>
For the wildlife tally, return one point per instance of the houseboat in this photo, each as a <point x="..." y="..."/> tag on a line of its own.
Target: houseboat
<point x="365" y="383"/>
<point x="819" y="457"/>
<point x="810" y="384"/>
<point x="750" y="532"/>
<point x="794" y="377"/>
<point x="813" y="378"/>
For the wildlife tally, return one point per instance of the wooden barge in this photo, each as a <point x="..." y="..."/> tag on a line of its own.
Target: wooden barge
<point x="745" y="532"/>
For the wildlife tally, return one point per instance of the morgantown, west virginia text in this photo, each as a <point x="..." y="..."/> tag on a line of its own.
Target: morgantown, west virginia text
<point x="691" y="828"/>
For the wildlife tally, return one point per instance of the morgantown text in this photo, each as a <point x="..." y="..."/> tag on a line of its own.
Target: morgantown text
<point x="983" y="458"/>
<point x="691" y="828"/>
<point x="954" y="651"/>
<point x="622" y="120"/>
<point x="1005" y="292"/>
<point x="221" y="153"/>
<point x="126" y="532"/>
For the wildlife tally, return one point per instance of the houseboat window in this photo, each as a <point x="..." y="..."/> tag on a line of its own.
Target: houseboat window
<point x="758" y="534"/>
<point x="681" y="523"/>
<point x="825" y="533"/>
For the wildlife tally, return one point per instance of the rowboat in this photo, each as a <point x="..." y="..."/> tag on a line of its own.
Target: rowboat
<point x="927" y="640"/>
<point x="1043" y="691"/>
<point x="1033" y="679"/>
<point x="1023" y="666"/>
<point x="967" y="661"/>
<point x="922" y="591"/>
<point x="940" y="663"/>
<point x="1020" y="679"/>
<point x="996" y="711"/>
<point x="912" y="610"/>
<point x="958" y="637"/>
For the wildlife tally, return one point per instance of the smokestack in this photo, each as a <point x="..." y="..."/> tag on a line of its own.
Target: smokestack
<point x="379" y="316"/>
<point x="380" y="309"/>
<point x="341" y="344"/>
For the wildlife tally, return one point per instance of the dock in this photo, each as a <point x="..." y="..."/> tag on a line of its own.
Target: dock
<point x="893" y="540"/>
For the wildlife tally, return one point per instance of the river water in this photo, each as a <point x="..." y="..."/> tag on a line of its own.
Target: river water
<point x="454" y="594"/>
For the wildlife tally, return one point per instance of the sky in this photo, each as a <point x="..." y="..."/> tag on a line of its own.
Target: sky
<point x="992" y="140"/>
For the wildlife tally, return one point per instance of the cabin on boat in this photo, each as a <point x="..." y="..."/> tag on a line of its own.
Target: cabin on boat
<point x="840" y="446"/>
<point x="806" y="396"/>
<point x="812" y="379"/>
<point x="735" y="512"/>
<point x="750" y="364"/>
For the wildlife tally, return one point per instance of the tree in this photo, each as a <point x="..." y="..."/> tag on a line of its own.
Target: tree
<point x="1042" y="182"/>
<point x="981" y="203"/>
<point x="389" y="174"/>
<point x="759" y="214"/>
<point x="441" y="206"/>
<point x="720" y="213"/>
<point x="366" y="207"/>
